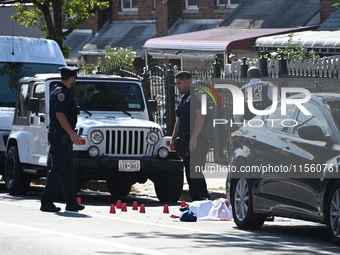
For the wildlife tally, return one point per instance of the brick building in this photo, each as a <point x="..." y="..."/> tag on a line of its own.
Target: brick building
<point x="132" y="22"/>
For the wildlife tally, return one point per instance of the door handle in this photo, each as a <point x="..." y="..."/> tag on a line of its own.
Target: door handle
<point x="286" y="151"/>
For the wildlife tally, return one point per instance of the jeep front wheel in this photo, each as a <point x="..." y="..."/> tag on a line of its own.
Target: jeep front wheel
<point x="17" y="182"/>
<point x="169" y="186"/>
<point x="118" y="187"/>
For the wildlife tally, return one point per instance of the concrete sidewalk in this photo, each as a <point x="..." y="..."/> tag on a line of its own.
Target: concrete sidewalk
<point x="216" y="188"/>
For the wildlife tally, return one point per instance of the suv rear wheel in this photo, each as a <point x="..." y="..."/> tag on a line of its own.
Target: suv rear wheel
<point x="17" y="182"/>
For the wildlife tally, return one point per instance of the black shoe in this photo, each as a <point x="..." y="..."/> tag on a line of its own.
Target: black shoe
<point x="184" y="208"/>
<point x="49" y="208"/>
<point x="74" y="207"/>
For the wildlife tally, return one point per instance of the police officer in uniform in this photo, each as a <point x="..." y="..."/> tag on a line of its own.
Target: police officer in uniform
<point x="189" y="126"/>
<point x="262" y="94"/>
<point x="61" y="136"/>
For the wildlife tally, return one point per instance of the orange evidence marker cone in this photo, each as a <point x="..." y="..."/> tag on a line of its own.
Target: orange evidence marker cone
<point x="142" y="208"/>
<point x="112" y="209"/>
<point x="119" y="204"/>
<point x="135" y="205"/>
<point x="166" y="209"/>
<point x="79" y="200"/>
<point x="183" y="204"/>
<point x="124" y="209"/>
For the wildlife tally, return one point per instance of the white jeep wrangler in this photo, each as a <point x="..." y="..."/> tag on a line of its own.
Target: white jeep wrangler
<point x="122" y="146"/>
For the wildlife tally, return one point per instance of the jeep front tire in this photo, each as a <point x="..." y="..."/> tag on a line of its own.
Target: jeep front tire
<point x="169" y="186"/>
<point x="118" y="187"/>
<point x="17" y="182"/>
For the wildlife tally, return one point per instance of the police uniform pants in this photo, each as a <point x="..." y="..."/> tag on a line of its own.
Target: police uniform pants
<point x="195" y="178"/>
<point x="61" y="170"/>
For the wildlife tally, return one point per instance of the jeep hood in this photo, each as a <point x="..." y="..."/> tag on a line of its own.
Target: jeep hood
<point x="114" y="122"/>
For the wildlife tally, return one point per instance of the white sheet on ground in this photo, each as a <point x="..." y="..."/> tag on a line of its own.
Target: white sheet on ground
<point x="218" y="209"/>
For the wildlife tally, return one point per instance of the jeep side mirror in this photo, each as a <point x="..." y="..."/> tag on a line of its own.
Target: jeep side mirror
<point x="152" y="106"/>
<point x="33" y="105"/>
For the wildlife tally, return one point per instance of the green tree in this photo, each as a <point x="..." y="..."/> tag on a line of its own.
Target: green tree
<point x="52" y="16"/>
<point x="336" y="5"/>
<point x="120" y="56"/>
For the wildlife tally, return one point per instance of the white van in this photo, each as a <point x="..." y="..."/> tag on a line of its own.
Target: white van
<point x="19" y="57"/>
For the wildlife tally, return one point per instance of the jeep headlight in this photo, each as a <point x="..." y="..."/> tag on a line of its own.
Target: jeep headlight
<point x="152" y="138"/>
<point x="96" y="137"/>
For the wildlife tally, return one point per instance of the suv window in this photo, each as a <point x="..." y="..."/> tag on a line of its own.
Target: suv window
<point x="281" y="123"/>
<point x="39" y="92"/>
<point x="21" y="109"/>
<point x="23" y="101"/>
<point x="108" y="96"/>
<point x="316" y="119"/>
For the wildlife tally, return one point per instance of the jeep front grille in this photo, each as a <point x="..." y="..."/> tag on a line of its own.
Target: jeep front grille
<point x="125" y="142"/>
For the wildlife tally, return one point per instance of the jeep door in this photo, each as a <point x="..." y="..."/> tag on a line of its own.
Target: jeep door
<point x="38" y="123"/>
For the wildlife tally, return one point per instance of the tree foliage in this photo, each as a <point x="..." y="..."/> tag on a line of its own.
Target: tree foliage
<point x="336" y="5"/>
<point x="115" y="59"/>
<point x="120" y="56"/>
<point x="293" y="51"/>
<point x="52" y="16"/>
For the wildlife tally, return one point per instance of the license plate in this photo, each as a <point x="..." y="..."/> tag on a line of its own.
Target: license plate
<point x="129" y="165"/>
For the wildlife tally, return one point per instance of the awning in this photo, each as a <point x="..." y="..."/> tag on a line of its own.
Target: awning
<point x="316" y="40"/>
<point x="215" y="40"/>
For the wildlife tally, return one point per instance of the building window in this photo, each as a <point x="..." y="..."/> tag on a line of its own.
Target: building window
<point x="228" y="3"/>
<point x="129" y="5"/>
<point x="191" y="4"/>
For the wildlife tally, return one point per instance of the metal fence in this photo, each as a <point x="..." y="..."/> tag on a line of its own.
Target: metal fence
<point x="159" y="83"/>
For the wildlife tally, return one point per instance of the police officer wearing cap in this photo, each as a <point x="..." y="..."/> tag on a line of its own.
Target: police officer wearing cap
<point x="61" y="136"/>
<point x="262" y="95"/>
<point x="189" y="126"/>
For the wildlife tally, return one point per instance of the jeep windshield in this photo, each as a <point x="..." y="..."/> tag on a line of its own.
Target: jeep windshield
<point x="11" y="72"/>
<point x="108" y="96"/>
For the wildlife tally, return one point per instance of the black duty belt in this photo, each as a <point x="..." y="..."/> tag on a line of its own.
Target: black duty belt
<point x="53" y="127"/>
<point x="57" y="128"/>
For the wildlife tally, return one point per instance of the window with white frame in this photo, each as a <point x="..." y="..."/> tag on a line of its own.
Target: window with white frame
<point x="228" y="3"/>
<point x="129" y="5"/>
<point x="191" y="4"/>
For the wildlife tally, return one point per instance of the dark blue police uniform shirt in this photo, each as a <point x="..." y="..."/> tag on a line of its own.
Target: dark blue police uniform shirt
<point x="184" y="114"/>
<point x="61" y="100"/>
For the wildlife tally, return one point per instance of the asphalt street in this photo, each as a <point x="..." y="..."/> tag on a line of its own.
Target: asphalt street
<point x="27" y="230"/>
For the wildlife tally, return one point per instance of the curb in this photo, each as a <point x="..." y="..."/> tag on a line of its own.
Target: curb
<point x="101" y="185"/>
<point x="213" y="195"/>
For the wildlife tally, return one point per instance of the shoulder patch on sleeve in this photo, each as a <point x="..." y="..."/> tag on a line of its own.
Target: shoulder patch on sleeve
<point x="61" y="96"/>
